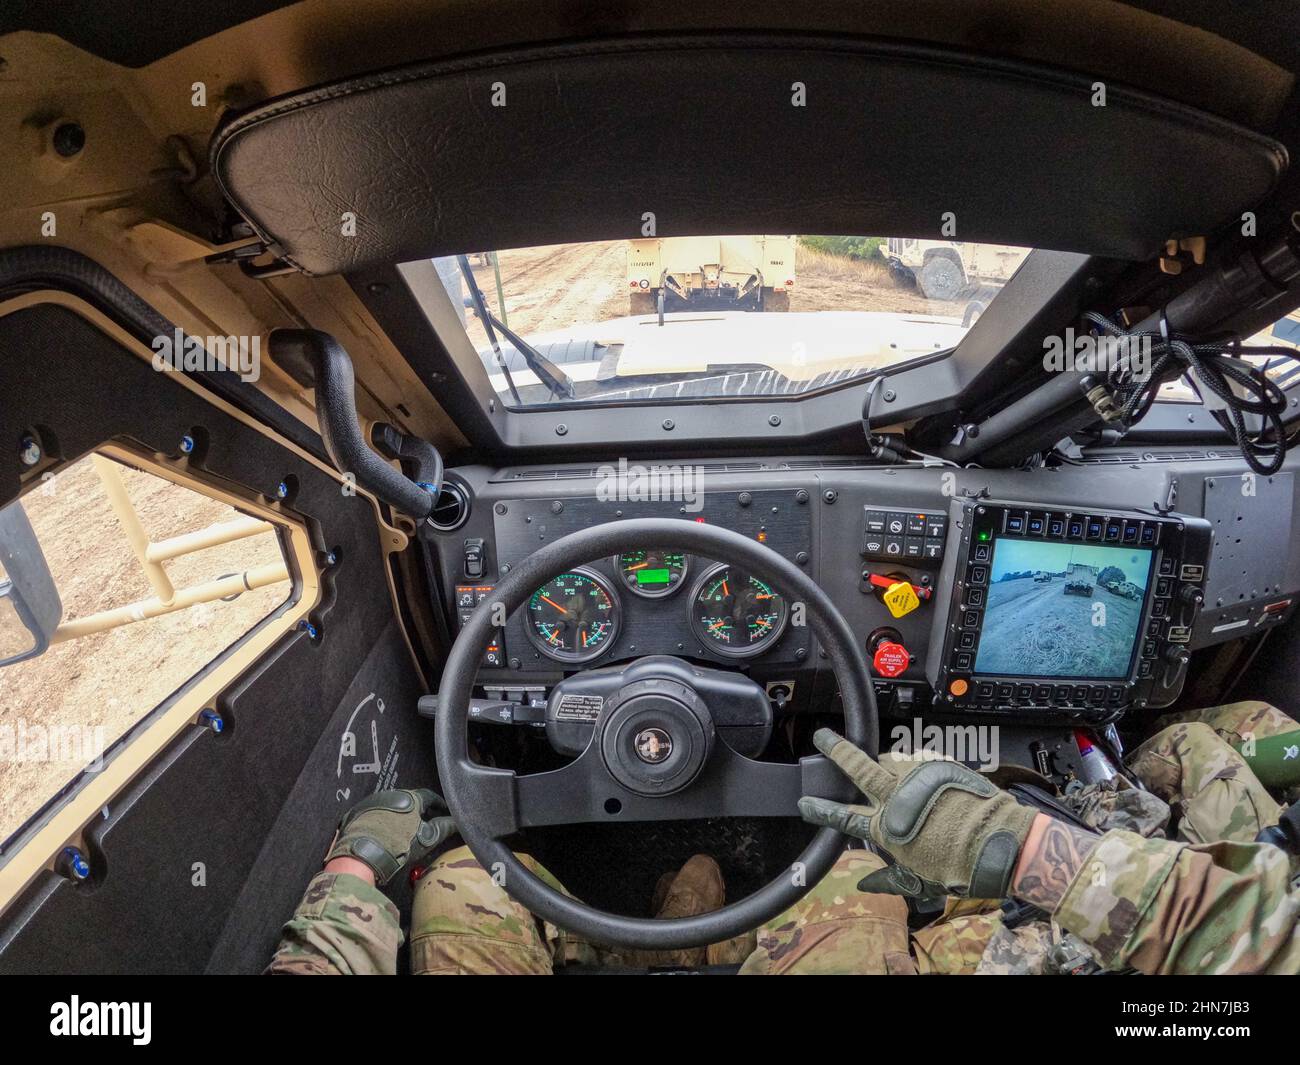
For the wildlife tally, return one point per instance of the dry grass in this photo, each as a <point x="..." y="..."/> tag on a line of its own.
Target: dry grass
<point x="810" y="262"/>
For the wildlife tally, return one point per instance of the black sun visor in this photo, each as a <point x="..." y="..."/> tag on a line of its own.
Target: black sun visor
<point x="621" y="139"/>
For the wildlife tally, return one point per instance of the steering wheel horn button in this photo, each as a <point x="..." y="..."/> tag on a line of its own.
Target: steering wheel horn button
<point x="652" y="745"/>
<point x="655" y="736"/>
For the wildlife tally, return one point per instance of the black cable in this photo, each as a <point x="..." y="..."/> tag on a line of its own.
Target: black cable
<point x="1217" y="364"/>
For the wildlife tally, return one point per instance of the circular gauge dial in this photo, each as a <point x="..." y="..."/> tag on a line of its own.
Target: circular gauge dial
<point x="652" y="574"/>
<point x="573" y="617"/>
<point x="735" y="613"/>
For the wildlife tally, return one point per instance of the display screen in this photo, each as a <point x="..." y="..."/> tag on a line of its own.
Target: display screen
<point x="1062" y="610"/>
<point x="652" y="576"/>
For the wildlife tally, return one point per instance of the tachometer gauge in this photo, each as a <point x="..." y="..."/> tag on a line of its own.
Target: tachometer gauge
<point x="573" y="617"/>
<point x="736" y="614"/>
<point x="652" y="574"/>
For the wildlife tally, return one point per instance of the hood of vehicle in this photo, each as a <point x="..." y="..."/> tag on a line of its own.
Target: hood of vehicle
<point x="799" y="346"/>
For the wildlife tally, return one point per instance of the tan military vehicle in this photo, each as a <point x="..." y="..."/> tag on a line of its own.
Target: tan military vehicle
<point x="735" y="273"/>
<point x="951" y="269"/>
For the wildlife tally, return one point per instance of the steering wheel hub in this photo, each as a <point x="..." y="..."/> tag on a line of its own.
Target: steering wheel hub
<point x="655" y="736"/>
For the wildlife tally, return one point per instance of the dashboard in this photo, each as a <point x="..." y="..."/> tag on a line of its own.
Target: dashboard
<point x="1045" y="596"/>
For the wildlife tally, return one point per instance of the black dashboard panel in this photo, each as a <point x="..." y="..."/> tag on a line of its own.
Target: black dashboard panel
<point x="825" y="515"/>
<point x="780" y="518"/>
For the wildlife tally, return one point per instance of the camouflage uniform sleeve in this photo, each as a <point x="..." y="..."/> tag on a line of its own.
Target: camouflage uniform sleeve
<point x="342" y="927"/>
<point x="1165" y="907"/>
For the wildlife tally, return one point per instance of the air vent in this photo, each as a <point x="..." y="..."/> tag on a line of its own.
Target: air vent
<point x="452" y="508"/>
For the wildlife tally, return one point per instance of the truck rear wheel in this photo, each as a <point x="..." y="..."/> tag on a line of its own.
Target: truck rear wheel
<point x="642" y="302"/>
<point x="774" y="300"/>
<point x="941" y="278"/>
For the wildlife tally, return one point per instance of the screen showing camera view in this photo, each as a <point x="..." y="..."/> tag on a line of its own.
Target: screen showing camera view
<point x="1062" y="610"/>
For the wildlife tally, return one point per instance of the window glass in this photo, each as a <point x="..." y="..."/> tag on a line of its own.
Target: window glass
<point x="131" y="633"/>
<point x="681" y="318"/>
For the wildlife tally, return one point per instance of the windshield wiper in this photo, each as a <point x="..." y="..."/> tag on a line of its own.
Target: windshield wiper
<point x="547" y="372"/>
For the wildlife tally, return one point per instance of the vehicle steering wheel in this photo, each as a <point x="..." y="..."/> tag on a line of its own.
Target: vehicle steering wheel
<point x="491" y="804"/>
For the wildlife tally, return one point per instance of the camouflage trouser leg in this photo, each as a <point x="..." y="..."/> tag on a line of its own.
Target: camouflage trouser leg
<point x="954" y="944"/>
<point x="836" y="928"/>
<point x="1191" y="765"/>
<point x="463" y="922"/>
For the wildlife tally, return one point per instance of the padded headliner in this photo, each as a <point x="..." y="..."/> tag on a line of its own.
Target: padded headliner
<point x="701" y="131"/>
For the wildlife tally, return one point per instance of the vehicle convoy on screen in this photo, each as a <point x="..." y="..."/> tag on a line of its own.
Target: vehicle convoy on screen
<point x="732" y="273"/>
<point x="318" y="520"/>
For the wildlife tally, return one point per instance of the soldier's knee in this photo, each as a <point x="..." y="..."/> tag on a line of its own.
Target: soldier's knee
<point x="1239" y="721"/>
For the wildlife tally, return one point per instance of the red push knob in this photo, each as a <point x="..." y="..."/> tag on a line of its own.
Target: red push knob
<point x="890" y="659"/>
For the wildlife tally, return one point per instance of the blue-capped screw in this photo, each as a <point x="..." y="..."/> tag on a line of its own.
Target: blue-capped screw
<point x="29" y="451"/>
<point x="72" y="864"/>
<point x="213" y="720"/>
<point x="331" y="558"/>
<point x="281" y="490"/>
<point x="308" y="628"/>
<point x="187" y="445"/>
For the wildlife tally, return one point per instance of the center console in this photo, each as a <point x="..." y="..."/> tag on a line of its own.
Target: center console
<point x="1064" y="616"/>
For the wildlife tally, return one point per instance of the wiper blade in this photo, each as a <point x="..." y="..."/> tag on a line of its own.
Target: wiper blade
<point x="547" y="372"/>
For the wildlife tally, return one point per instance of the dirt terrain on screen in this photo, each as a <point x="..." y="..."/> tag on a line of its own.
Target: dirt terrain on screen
<point x="556" y="286"/>
<point x="1034" y="628"/>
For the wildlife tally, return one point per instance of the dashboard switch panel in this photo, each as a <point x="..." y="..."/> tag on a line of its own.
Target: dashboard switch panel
<point x="914" y="536"/>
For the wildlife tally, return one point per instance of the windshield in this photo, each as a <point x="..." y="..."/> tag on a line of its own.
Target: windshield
<point x="682" y="318"/>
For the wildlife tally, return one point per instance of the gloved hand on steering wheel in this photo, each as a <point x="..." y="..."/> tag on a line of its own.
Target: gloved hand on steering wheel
<point x="385" y="829"/>
<point x="949" y="829"/>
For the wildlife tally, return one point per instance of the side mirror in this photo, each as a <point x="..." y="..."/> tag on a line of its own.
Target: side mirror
<point x="30" y="608"/>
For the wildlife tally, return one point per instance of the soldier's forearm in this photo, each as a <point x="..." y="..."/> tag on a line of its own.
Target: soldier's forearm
<point x="1165" y="907"/>
<point x="1052" y="855"/>
<point x="352" y="867"/>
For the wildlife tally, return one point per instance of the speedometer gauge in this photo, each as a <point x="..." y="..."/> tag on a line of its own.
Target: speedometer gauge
<point x="573" y="617"/>
<point x="652" y="574"/>
<point x="736" y="614"/>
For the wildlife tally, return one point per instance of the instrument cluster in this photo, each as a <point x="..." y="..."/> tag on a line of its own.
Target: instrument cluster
<point x="576" y="617"/>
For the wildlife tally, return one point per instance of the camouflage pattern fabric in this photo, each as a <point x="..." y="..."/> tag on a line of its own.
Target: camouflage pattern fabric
<point x="1117" y="804"/>
<point x="343" y="927"/>
<point x="956" y="941"/>
<point x="1188" y="764"/>
<point x="836" y="929"/>
<point x="463" y="922"/>
<point x="1192" y="768"/>
<point x="1036" y="948"/>
<point x="1165" y="907"/>
<point x="1238" y="722"/>
<point x="1152" y="904"/>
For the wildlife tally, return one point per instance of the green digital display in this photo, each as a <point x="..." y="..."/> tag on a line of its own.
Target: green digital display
<point x="653" y="576"/>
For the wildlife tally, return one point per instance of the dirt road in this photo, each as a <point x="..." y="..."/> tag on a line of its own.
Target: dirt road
<point x="1035" y="629"/>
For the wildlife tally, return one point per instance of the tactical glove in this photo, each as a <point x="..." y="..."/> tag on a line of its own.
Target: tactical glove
<point x="950" y="830"/>
<point x="388" y="827"/>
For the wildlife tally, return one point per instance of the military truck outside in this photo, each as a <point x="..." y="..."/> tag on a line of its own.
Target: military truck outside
<point x="731" y="273"/>
<point x="950" y="269"/>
